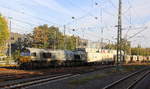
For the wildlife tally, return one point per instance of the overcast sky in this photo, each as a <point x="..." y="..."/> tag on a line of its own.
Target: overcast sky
<point x="26" y="14"/>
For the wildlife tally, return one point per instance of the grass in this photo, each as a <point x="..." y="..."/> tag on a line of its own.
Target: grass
<point x="86" y="79"/>
<point x="122" y="69"/>
<point x="128" y="68"/>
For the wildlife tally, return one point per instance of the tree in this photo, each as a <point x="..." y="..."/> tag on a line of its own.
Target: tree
<point x="51" y="37"/>
<point x="126" y="46"/>
<point x="140" y="51"/>
<point x="47" y="37"/>
<point x="55" y="37"/>
<point x="71" y="42"/>
<point x="40" y="36"/>
<point x="4" y="34"/>
<point x="110" y="46"/>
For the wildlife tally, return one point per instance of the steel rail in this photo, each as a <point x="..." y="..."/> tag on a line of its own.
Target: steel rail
<point x="138" y="80"/>
<point x="124" y="78"/>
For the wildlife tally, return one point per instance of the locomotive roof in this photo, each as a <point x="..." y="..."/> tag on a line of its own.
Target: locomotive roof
<point x="47" y="50"/>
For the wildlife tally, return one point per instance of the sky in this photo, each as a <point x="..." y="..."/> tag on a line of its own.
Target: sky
<point x="93" y="19"/>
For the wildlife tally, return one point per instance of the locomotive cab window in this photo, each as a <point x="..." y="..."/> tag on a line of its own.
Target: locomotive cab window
<point x="33" y="54"/>
<point x="47" y="55"/>
<point x="25" y="52"/>
<point x="77" y="57"/>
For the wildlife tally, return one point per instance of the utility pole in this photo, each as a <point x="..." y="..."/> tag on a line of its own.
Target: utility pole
<point x="55" y="40"/>
<point x="101" y="22"/>
<point x="64" y="37"/>
<point x="77" y="41"/>
<point x="10" y="37"/>
<point x="109" y="45"/>
<point x="119" y="33"/>
<point x="102" y="29"/>
<point x="120" y="23"/>
<point x="44" y="37"/>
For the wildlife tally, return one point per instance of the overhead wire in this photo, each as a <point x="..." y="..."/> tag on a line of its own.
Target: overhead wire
<point x="23" y="4"/>
<point x="20" y="25"/>
<point x="130" y="19"/>
<point x="144" y="27"/>
<point x="70" y="1"/>
<point x="89" y="13"/>
<point x="112" y="4"/>
<point x="28" y="23"/>
<point x="137" y="33"/>
<point x="34" y="17"/>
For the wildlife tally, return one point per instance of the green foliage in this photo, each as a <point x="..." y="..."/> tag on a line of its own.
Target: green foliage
<point x="126" y="46"/>
<point x="71" y="42"/>
<point x="4" y="34"/>
<point x="110" y="46"/>
<point x="87" y="79"/>
<point x="51" y="37"/>
<point x="140" y="51"/>
<point x="16" y="55"/>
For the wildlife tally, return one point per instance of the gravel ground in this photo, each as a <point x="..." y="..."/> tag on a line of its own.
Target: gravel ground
<point x="92" y="80"/>
<point x="57" y="71"/>
<point x="144" y="83"/>
<point x="6" y="71"/>
<point x="104" y="78"/>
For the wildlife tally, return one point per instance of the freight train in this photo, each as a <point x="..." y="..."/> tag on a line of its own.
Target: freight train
<point x="35" y="57"/>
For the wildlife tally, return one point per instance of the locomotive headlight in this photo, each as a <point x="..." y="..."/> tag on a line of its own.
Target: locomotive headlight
<point x="25" y="59"/>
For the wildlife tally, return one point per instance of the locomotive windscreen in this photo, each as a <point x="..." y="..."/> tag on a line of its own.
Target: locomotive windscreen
<point x="77" y="57"/>
<point x="25" y="52"/>
<point x="47" y="55"/>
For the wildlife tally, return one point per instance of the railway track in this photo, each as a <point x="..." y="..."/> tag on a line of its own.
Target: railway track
<point x="35" y="81"/>
<point x="129" y="81"/>
<point x="133" y="85"/>
<point x="9" y="77"/>
<point x="44" y="78"/>
<point x="16" y="76"/>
